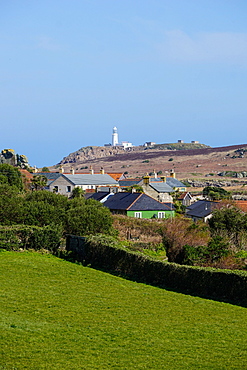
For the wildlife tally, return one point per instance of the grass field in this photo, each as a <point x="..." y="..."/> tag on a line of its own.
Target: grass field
<point x="59" y="315"/>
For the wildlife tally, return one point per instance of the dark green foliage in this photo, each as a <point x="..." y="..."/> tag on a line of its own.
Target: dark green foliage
<point x="38" y="182"/>
<point x="89" y="219"/>
<point x="194" y="255"/>
<point x="57" y="200"/>
<point x="137" y="188"/>
<point x="77" y="193"/>
<point x="30" y="237"/>
<point x="214" y="193"/>
<point x="11" y="175"/>
<point x="11" y="205"/>
<point x="45" y="169"/>
<point x="216" y="249"/>
<point x="230" y="222"/>
<point x="227" y="219"/>
<point x="42" y="208"/>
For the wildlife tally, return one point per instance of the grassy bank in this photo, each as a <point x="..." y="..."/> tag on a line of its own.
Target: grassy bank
<point x="59" y="315"/>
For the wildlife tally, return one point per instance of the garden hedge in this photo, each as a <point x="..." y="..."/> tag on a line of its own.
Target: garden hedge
<point x="30" y="237"/>
<point x="99" y="252"/>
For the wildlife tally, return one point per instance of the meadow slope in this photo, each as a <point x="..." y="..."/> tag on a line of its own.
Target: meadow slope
<point x="59" y="315"/>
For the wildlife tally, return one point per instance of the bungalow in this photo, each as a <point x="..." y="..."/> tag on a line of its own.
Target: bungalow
<point x="64" y="184"/>
<point x="201" y="210"/>
<point x="138" y="205"/>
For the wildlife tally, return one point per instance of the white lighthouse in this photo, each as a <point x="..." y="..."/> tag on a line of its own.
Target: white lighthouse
<point x="114" y="137"/>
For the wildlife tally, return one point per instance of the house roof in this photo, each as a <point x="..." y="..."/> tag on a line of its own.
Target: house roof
<point x="128" y="182"/>
<point x="174" y="183"/>
<point x="184" y="194"/>
<point x="171" y="181"/>
<point x="241" y="204"/>
<point x="161" y="187"/>
<point x="88" y="179"/>
<point x="27" y="174"/>
<point x="97" y="196"/>
<point x="51" y="176"/>
<point x="201" y="208"/>
<point x="116" y="175"/>
<point x="134" y="202"/>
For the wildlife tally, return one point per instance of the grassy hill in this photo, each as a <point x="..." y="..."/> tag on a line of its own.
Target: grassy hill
<point x="59" y="315"/>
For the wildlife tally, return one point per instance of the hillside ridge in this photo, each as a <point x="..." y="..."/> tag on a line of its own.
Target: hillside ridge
<point x="187" y="163"/>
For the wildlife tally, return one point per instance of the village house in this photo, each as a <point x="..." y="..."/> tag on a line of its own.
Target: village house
<point x="65" y="183"/>
<point x="138" y="205"/>
<point x="201" y="210"/>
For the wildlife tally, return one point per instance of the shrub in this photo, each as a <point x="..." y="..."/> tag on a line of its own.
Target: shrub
<point x="30" y="237"/>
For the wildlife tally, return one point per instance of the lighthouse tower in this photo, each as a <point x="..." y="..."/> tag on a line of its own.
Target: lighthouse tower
<point x="114" y="137"/>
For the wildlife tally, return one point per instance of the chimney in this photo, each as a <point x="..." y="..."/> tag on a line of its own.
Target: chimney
<point x="61" y="169"/>
<point x="155" y="174"/>
<point x="35" y="169"/>
<point x="102" y="171"/>
<point x="91" y="170"/>
<point x="163" y="178"/>
<point x="172" y="174"/>
<point x="146" y="179"/>
<point x="72" y="170"/>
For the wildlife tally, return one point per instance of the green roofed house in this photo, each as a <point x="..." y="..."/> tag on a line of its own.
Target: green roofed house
<point x="138" y="205"/>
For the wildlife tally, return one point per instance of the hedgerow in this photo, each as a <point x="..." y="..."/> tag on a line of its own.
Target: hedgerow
<point x="103" y="253"/>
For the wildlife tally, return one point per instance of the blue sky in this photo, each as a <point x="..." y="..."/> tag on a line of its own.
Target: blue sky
<point x="159" y="70"/>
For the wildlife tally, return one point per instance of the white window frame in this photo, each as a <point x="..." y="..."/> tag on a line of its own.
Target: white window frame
<point x="161" y="215"/>
<point x="138" y="214"/>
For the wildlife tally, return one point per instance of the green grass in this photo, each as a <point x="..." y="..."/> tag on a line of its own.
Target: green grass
<point x="59" y="315"/>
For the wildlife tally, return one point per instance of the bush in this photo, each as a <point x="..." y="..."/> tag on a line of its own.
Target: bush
<point x="90" y="219"/>
<point x="30" y="237"/>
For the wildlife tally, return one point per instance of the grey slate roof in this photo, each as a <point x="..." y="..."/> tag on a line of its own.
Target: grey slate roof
<point x="51" y="176"/>
<point x="134" y="202"/>
<point x="174" y="183"/>
<point x="161" y="187"/>
<point x="170" y="181"/>
<point x="97" y="196"/>
<point x="126" y="183"/>
<point x="201" y="208"/>
<point x="88" y="179"/>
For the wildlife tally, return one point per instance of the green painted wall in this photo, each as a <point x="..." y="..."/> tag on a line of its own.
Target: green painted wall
<point x="150" y="214"/>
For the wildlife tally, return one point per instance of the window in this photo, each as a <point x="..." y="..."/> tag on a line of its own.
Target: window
<point x="68" y="189"/>
<point x="138" y="214"/>
<point x="55" y="189"/>
<point x="161" y="214"/>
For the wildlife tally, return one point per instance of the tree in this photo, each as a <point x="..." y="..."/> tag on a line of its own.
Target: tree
<point x="38" y="182"/>
<point x="77" y="193"/>
<point x="230" y="222"/>
<point x="11" y="175"/>
<point x="214" y="193"/>
<point x="137" y="188"/>
<point x="89" y="219"/>
<point x="45" y="169"/>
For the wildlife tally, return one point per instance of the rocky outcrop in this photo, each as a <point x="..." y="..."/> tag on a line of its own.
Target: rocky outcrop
<point x="8" y="156"/>
<point x="93" y="152"/>
<point x="214" y="183"/>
